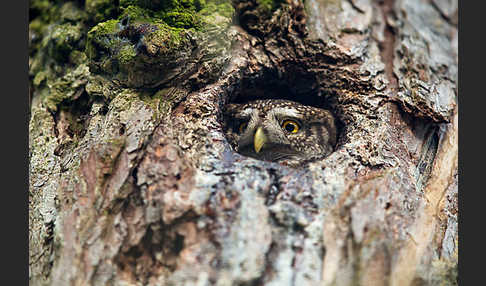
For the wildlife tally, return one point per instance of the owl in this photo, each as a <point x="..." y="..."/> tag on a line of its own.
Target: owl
<point x="280" y="131"/>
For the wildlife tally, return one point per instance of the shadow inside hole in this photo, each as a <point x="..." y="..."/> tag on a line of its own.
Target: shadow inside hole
<point x="296" y="86"/>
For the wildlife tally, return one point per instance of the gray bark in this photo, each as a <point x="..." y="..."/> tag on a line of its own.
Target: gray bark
<point x="132" y="181"/>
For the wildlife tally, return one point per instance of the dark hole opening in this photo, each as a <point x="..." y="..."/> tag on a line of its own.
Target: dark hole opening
<point x="178" y="243"/>
<point x="295" y="84"/>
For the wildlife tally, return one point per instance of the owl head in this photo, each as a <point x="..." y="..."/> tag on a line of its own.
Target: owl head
<point x="281" y="131"/>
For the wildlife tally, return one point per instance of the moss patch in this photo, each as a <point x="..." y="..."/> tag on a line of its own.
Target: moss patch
<point x="171" y="17"/>
<point x="127" y="54"/>
<point x="100" y="10"/>
<point x="67" y="88"/>
<point x="184" y="14"/>
<point x="63" y="40"/>
<point x="268" y="6"/>
<point x="137" y="14"/>
<point x="101" y="37"/>
<point x="149" y="38"/>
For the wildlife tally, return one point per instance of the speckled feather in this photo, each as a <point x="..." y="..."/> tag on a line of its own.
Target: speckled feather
<point x="315" y="139"/>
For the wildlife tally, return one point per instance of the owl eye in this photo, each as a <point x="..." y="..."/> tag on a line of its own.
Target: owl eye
<point x="242" y="127"/>
<point x="290" y="126"/>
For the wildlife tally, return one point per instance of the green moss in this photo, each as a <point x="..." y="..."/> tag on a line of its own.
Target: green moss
<point x="137" y="14"/>
<point x="40" y="77"/>
<point x="165" y="5"/>
<point x="77" y="57"/>
<point x="37" y="26"/>
<point x="177" y="18"/>
<point x="40" y="5"/>
<point x="181" y="20"/>
<point x="56" y="30"/>
<point x="100" y="35"/>
<point x="46" y="13"/>
<point x="61" y="40"/>
<point x="185" y="14"/>
<point x="121" y="51"/>
<point x="126" y="54"/>
<point x="266" y="4"/>
<point x="46" y="10"/>
<point x="104" y="28"/>
<point x="126" y="3"/>
<point x="70" y="12"/>
<point x="269" y="5"/>
<point x="169" y="16"/>
<point x="165" y="37"/>
<point x="66" y="88"/>
<point x="100" y="10"/>
<point x="101" y="86"/>
<point x="216" y="14"/>
<point x="151" y="33"/>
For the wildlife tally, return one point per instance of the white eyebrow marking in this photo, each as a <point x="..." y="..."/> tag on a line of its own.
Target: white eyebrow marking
<point x="246" y="111"/>
<point x="289" y="111"/>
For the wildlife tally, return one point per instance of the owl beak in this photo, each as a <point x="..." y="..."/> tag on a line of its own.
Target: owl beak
<point x="259" y="139"/>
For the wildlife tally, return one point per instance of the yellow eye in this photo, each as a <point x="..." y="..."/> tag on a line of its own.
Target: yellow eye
<point x="242" y="127"/>
<point x="290" y="126"/>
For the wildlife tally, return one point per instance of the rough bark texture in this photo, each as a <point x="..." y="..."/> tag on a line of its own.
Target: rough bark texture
<point x="132" y="181"/>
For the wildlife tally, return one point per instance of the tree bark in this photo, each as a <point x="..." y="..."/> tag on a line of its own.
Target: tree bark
<point x="132" y="181"/>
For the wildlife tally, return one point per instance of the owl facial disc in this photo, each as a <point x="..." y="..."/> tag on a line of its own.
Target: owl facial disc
<point x="280" y="131"/>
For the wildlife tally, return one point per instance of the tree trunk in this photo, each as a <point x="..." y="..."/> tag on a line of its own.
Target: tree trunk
<point x="132" y="181"/>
